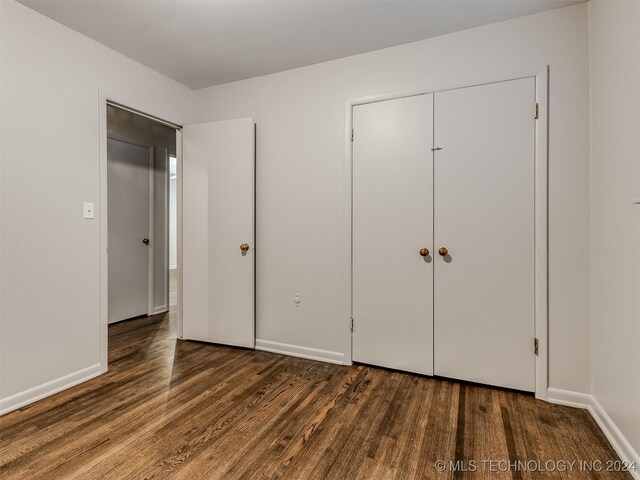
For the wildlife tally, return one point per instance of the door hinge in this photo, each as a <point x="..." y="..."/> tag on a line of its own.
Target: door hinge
<point x="435" y="149"/>
<point x="535" y="346"/>
<point x="536" y="111"/>
<point x="352" y="134"/>
<point x="351" y="325"/>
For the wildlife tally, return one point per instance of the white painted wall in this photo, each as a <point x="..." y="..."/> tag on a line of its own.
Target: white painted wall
<point x="300" y="161"/>
<point x="615" y="229"/>
<point x="49" y="255"/>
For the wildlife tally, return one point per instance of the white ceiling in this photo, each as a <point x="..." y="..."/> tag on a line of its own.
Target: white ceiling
<point x="200" y="43"/>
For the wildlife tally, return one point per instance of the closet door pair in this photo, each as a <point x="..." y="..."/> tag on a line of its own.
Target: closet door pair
<point x="443" y="234"/>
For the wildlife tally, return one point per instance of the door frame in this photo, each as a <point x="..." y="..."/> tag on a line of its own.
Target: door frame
<point x="150" y="306"/>
<point x="541" y="281"/>
<point x="179" y="278"/>
<point x="105" y="98"/>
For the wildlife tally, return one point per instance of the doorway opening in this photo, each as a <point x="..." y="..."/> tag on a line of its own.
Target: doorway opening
<point x="213" y="294"/>
<point x="141" y="200"/>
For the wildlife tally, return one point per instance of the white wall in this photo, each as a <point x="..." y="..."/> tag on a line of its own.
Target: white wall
<point x="615" y="170"/>
<point x="300" y="161"/>
<point x="49" y="255"/>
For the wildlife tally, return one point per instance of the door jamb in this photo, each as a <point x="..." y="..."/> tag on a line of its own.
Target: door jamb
<point x="167" y="273"/>
<point x="541" y="315"/>
<point x="179" y="278"/>
<point x="151" y="237"/>
<point x="541" y="233"/>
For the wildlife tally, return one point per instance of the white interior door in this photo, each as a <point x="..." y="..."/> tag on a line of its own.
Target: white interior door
<point x="218" y="218"/>
<point x="392" y="222"/>
<point x="128" y="184"/>
<point x="484" y="216"/>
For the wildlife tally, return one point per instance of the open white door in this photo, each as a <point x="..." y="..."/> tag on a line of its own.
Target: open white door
<point x="218" y="172"/>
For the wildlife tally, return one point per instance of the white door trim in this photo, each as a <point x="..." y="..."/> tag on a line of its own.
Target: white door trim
<point x="541" y="218"/>
<point x="104" y="230"/>
<point x="151" y="237"/>
<point x="166" y="274"/>
<point x="541" y="241"/>
<point x="179" y="231"/>
<point x="102" y="213"/>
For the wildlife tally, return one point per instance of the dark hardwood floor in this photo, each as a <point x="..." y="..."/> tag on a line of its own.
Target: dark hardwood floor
<point x="188" y="410"/>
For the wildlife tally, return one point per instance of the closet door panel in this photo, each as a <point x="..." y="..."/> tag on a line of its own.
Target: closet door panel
<point x="484" y="217"/>
<point x="392" y="222"/>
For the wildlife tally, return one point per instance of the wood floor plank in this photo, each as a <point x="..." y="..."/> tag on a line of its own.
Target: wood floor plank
<point x="170" y="409"/>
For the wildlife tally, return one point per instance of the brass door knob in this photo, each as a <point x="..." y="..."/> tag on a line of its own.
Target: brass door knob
<point x="244" y="247"/>
<point x="443" y="252"/>
<point x="424" y="252"/>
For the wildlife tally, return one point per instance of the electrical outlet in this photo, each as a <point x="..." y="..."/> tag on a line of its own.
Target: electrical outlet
<point x="297" y="300"/>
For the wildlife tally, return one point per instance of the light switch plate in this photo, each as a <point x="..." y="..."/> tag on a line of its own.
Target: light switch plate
<point x="88" y="210"/>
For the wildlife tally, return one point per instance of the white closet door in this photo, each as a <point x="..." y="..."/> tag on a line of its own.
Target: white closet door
<point x="392" y="222"/>
<point x="218" y="218"/>
<point x="484" y="216"/>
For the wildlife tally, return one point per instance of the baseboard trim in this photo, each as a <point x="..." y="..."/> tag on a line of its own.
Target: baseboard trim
<point x="569" y="398"/>
<point x="34" y="394"/>
<point x="160" y="309"/>
<point x="302" y="352"/>
<point x="587" y="401"/>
